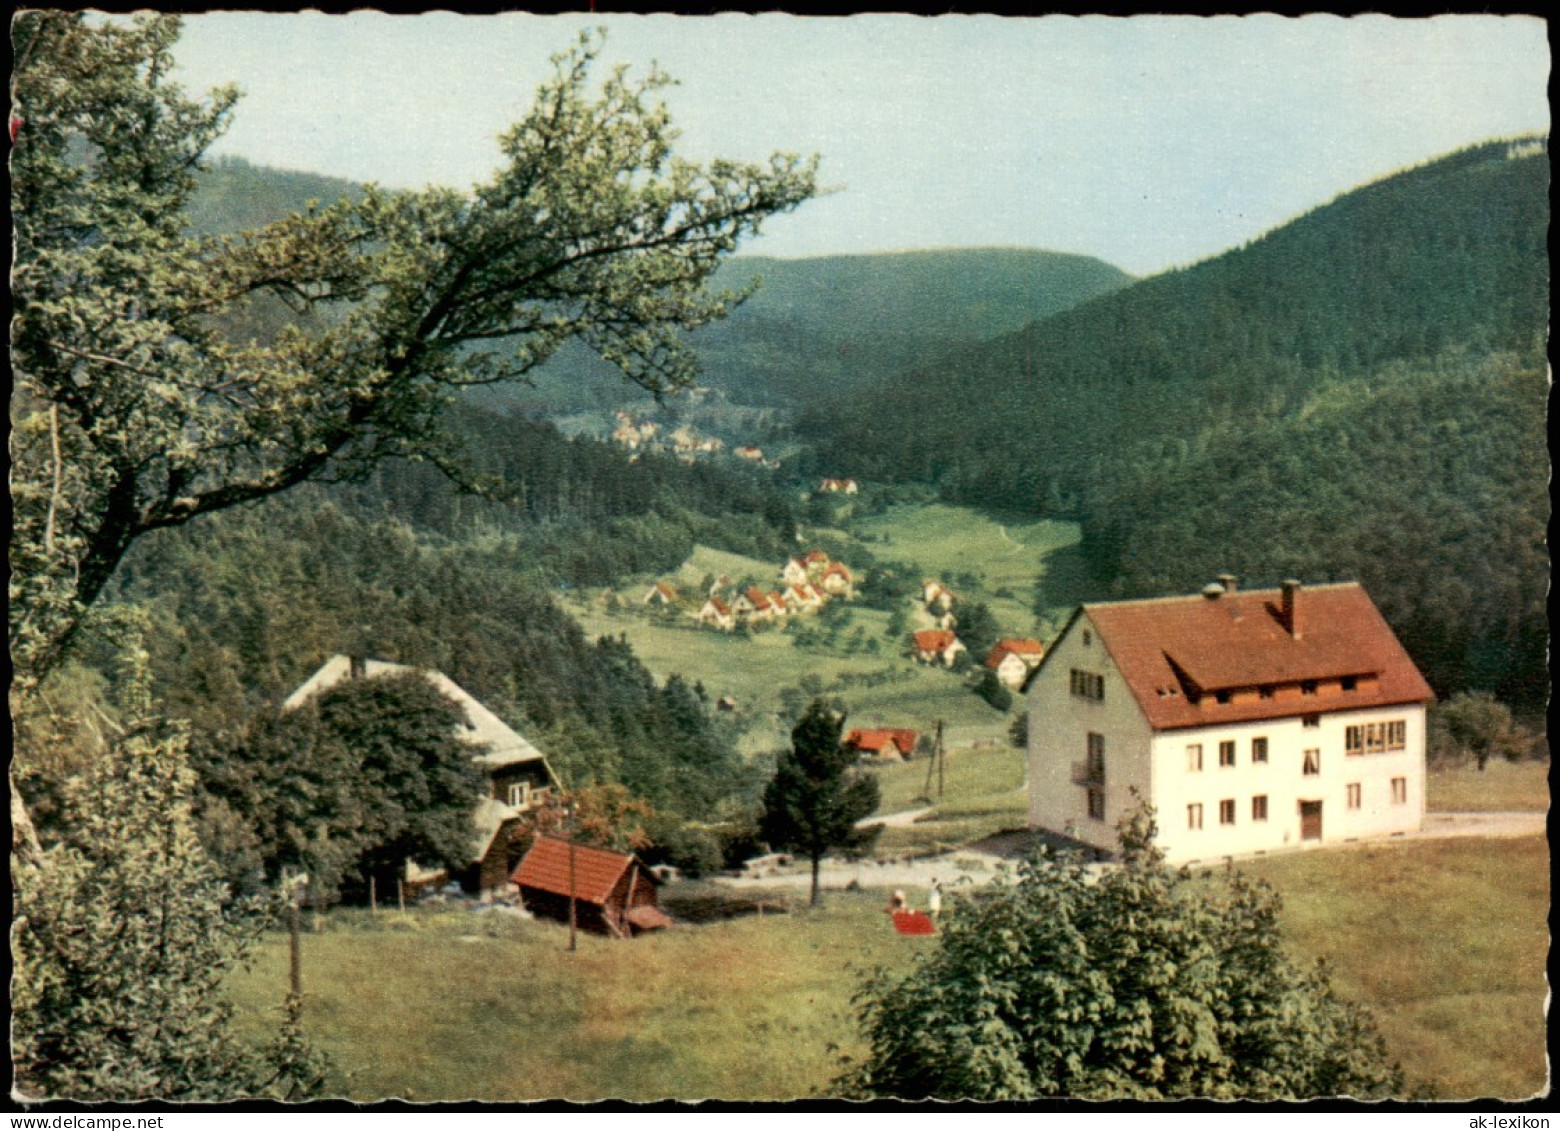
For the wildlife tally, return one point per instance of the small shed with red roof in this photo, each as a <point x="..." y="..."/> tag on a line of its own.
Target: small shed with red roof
<point x="614" y="892"/>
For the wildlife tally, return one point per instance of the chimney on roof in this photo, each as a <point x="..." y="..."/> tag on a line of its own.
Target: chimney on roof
<point x="1228" y="581"/>
<point x="357" y="666"/>
<point x="1291" y="607"/>
<point x="1213" y="591"/>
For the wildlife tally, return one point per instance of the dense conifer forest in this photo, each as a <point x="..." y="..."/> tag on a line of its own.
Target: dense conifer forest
<point x="1360" y="393"/>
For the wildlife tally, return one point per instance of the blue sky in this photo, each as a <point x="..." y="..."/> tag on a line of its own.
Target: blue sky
<point x="1150" y="142"/>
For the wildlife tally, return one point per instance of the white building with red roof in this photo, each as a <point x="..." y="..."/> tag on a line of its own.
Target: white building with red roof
<point x="936" y="645"/>
<point x="1013" y="658"/>
<point x="1251" y="721"/>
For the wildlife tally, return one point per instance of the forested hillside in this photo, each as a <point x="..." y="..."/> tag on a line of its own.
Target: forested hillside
<point x="1161" y="413"/>
<point x="246" y="605"/>
<point x="818" y="327"/>
<point x="813" y="327"/>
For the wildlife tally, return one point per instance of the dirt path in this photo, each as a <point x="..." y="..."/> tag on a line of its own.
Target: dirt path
<point x="979" y="864"/>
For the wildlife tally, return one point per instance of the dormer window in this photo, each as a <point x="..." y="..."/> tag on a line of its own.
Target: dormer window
<point x="1308" y="687"/>
<point x="1348" y="682"/>
<point x="1265" y="691"/>
<point x="1221" y="696"/>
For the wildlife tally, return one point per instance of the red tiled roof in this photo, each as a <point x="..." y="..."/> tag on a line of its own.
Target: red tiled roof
<point x="596" y="870"/>
<point x="758" y="597"/>
<point x="837" y="569"/>
<point x="1239" y="642"/>
<point x="875" y="740"/>
<point x="720" y="606"/>
<point x="934" y="639"/>
<point x="812" y="556"/>
<point x="1015" y="647"/>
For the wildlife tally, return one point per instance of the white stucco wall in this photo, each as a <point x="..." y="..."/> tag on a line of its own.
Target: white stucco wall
<point x="1284" y="784"/>
<point x="1156" y="766"/>
<point x="1059" y="725"/>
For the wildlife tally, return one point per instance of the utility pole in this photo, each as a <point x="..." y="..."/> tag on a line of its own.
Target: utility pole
<point x="572" y="920"/>
<point x="942" y="759"/>
<point x="295" y="944"/>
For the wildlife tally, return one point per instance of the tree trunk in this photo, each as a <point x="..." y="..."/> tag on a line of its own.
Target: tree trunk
<point x="816" y="860"/>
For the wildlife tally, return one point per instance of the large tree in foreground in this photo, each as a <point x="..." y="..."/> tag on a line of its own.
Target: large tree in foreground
<point x="819" y="793"/>
<point x="1142" y="983"/>
<point x="136" y="407"/>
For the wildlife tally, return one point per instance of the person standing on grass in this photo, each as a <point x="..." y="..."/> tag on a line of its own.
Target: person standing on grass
<point x="934" y="899"/>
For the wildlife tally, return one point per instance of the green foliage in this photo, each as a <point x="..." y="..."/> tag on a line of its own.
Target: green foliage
<point x="123" y="936"/>
<point x="1475" y="724"/>
<point x="1139" y="984"/>
<point x="247" y="604"/>
<point x="363" y="777"/>
<point x="1427" y="486"/>
<point x="1357" y="395"/>
<point x="990" y="687"/>
<point x="818" y="793"/>
<point x="143" y="399"/>
<point x="846" y="322"/>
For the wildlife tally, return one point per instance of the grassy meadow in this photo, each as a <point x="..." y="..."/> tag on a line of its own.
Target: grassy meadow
<point x="1444" y="941"/>
<point x="1500" y="787"/>
<point x="451" y="1005"/>
<point x="1007" y="558"/>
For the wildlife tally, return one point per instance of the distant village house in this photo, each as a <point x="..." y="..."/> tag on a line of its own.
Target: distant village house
<point x="1013" y="659"/>
<point x="937" y="646"/>
<point x="888" y="744"/>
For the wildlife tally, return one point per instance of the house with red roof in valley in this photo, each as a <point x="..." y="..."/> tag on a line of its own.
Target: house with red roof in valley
<point x="837" y="580"/>
<point x="753" y="604"/>
<point x="936" y="595"/>
<point x="662" y="595"/>
<point x="1014" y="658"/>
<point x="1250" y="721"/>
<point x="839" y="487"/>
<point x="888" y="744"/>
<point x="801" y="598"/>
<point x="717" y="613"/>
<point x="614" y="893"/>
<point x="937" y="645"/>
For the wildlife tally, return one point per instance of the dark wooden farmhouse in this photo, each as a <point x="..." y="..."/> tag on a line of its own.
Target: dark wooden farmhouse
<point x="615" y="894"/>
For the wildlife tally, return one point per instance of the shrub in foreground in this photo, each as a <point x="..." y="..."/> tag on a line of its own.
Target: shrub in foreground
<point x="1139" y="983"/>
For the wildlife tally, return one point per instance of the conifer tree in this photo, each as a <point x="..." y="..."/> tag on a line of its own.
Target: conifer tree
<point x="818" y="793"/>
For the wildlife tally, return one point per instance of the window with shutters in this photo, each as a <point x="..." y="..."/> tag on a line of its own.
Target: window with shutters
<point x="1088" y="685"/>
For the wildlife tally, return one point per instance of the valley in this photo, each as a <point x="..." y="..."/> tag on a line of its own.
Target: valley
<point x="386" y="559"/>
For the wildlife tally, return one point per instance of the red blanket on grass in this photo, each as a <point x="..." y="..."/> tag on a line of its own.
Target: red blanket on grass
<point x="913" y="923"/>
